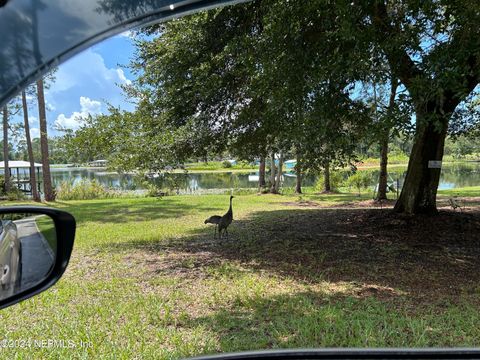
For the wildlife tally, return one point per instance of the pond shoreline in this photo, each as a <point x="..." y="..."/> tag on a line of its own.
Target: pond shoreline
<point x="359" y="166"/>
<point x="454" y="175"/>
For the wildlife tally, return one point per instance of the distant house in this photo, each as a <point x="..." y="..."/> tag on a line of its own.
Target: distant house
<point x="20" y="174"/>
<point x="290" y="165"/>
<point x="232" y="161"/>
<point x="98" y="163"/>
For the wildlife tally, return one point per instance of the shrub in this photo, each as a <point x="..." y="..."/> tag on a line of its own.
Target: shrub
<point x="360" y="180"/>
<point x="156" y="191"/>
<point x="265" y="189"/>
<point x="226" y="164"/>
<point x="244" y="191"/>
<point x="13" y="194"/>
<point x="85" y="190"/>
<point x="336" y="181"/>
<point x="244" y="164"/>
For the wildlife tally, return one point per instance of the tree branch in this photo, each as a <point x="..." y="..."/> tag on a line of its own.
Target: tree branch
<point x="400" y="62"/>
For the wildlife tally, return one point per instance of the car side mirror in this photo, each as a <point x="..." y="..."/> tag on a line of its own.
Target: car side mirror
<point x="35" y="247"/>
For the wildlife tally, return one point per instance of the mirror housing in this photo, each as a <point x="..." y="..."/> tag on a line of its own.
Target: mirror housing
<point x="65" y="234"/>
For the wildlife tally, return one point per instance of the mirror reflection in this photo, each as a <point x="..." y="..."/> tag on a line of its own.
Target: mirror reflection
<point x="28" y="247"/>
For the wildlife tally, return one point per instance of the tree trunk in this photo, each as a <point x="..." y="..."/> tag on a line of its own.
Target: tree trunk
<point x="272" y="173"/>
<point x="5" y="150"/>
<point x="382" y="181"/>
<point x="432" y="102"/>
<point x="33" y="176"/>
<point x="326" y="186"/>
<point x="261" y="173"/>
<point x="298" y="171"/>
<point x="384" y="137"/>
<point x="419" y="190"/>
<point x="47" y="180"/>
<point x="279" y="173"/>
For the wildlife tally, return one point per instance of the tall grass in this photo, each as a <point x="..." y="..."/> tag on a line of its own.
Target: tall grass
<point x="86" y="190"/>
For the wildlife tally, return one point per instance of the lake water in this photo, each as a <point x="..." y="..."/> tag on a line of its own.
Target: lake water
<point x="453" y="175"/>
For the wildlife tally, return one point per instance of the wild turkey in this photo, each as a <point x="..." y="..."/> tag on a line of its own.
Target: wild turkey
<point x="225" y="220"/>
<point x="215" y="219"/>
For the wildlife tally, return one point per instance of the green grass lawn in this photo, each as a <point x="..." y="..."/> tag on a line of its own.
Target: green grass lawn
<point x="394" y="162"/>
<point x="216" y="166"/>
<point x="402" y="161"/>
<point x="468" y="191"/>
<point x="47" y="228"/>
<point x="147" y="280"/>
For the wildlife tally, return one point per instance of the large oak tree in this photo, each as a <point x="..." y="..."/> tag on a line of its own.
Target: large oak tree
<point x="246" y="79"/>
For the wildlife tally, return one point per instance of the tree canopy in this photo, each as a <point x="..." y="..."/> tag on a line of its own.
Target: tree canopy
<point x="274" y="76"/>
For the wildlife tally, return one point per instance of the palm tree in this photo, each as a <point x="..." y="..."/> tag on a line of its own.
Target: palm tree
<point x="47" y="180"/>
<point x="5" y="150"/>
<point x="33" y="178"/>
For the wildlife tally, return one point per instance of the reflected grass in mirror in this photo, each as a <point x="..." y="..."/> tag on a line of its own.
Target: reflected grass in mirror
<point x="46" y="227"/>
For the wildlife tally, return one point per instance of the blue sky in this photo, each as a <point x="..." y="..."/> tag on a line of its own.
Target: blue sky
<point x="85" y="83"/>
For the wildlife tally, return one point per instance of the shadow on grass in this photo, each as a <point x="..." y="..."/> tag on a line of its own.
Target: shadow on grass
<point x="309" y="319"/>
<point x="338" y="197"/>
<point x="421" y="256"/>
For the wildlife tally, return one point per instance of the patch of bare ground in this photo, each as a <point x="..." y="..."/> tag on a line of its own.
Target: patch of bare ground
<point x="303" y="203"/>
<point x="181" y="264"/>
<point x="88" y="265"/>
<point x="367" y="204"/>
<point x="349" y="204"/>
<point x="467" y="202"/>
<point x="376" y="291"/>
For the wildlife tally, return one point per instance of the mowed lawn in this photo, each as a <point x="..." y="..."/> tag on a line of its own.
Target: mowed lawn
<point x="148" y="280"/>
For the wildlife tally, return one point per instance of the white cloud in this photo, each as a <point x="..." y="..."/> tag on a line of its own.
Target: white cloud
<point x="87" y="106"/>
<point x="72" y="122"/>
<point x="87" y="68"/>
<point x="34" y="133"/>
<point x="122" y="77"/>
<point x="79" y="84"/>
<point x="33" y="121"/>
